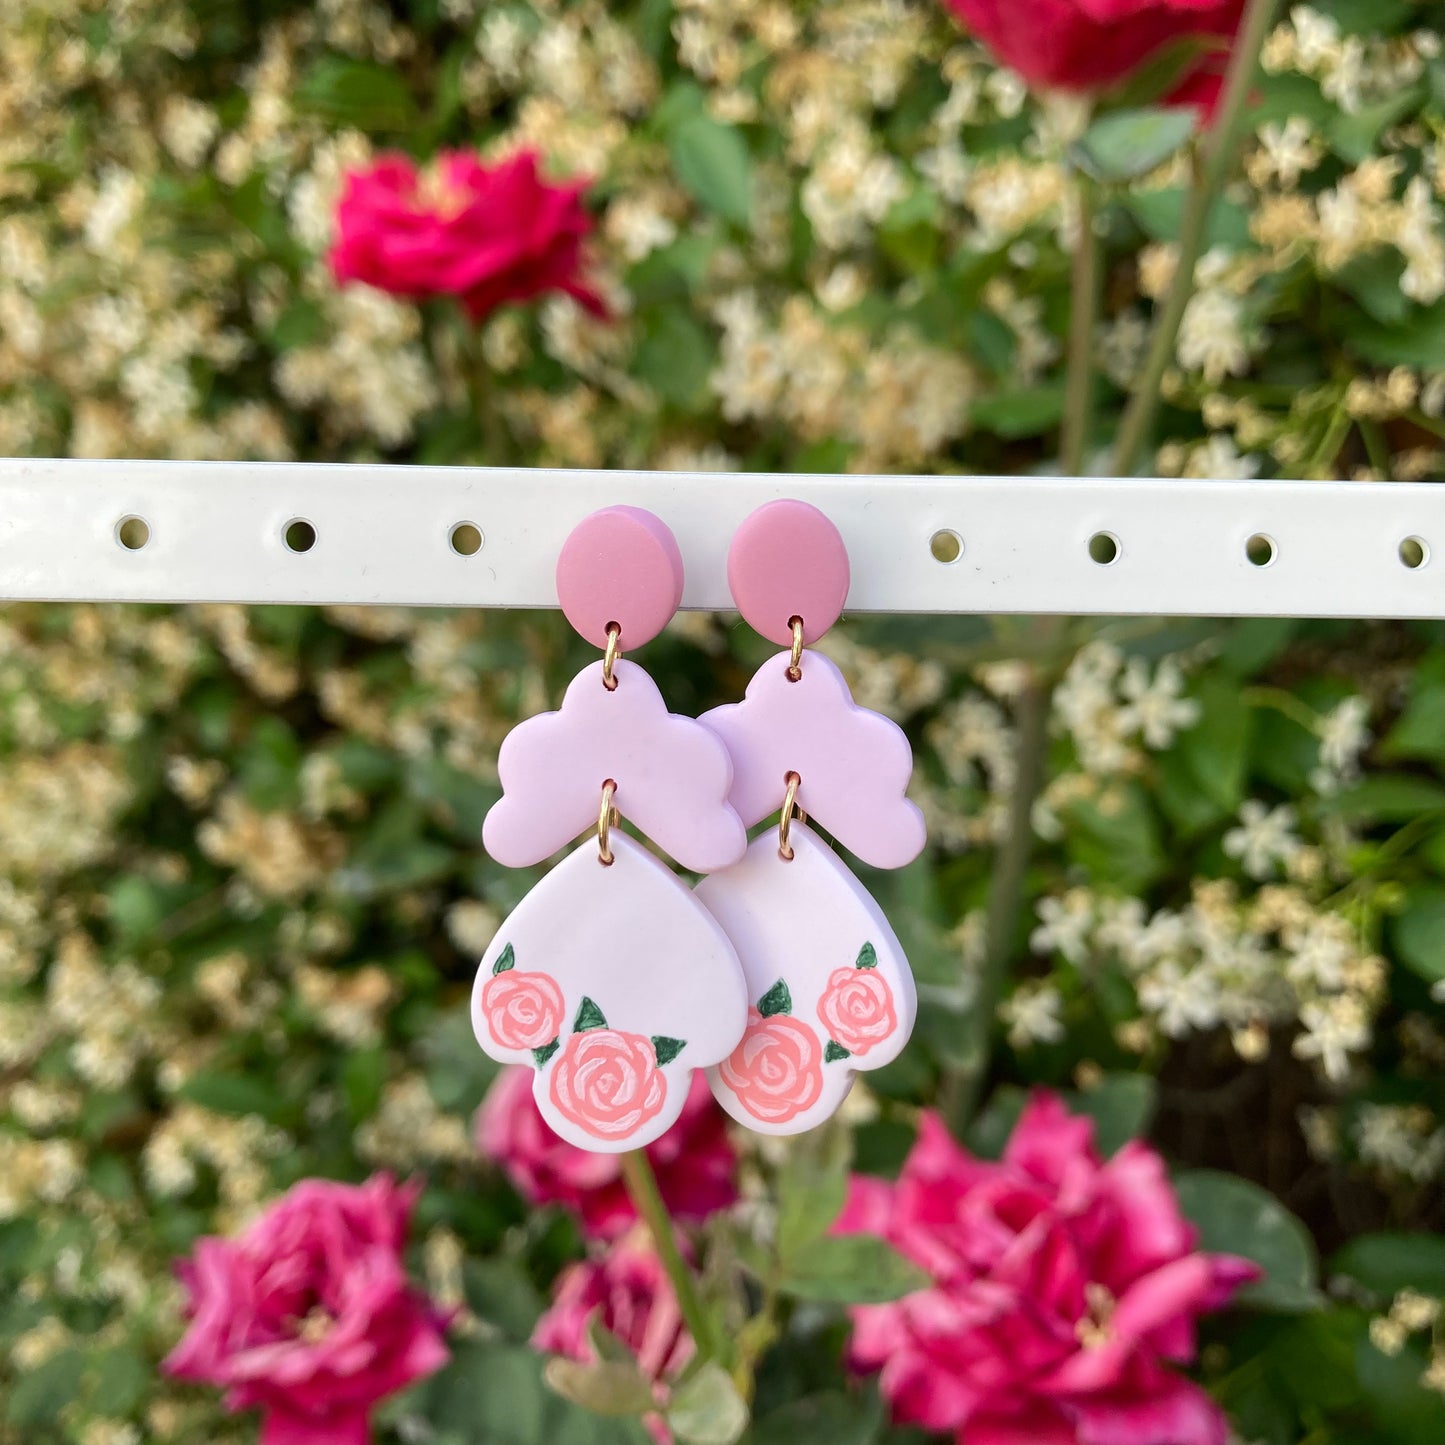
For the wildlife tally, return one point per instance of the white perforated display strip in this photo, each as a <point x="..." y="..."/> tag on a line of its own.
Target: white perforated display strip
<point x="239" y="532"/>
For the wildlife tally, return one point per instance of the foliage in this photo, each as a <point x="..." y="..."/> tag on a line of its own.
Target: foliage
<point x="243" y="894"/>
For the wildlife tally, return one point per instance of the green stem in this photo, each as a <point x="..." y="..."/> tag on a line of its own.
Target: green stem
<point x="1219" y="147"/>
<point x="962" y="1089"/>
<point x="1084" y="311"/>
<point x="642" y="1186"/>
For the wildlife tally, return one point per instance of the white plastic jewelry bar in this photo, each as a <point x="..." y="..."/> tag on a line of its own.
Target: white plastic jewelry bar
<point x="389" y="535"/>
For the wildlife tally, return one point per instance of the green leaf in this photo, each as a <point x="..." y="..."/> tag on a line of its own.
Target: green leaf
<point x="1419" y="933"/>
<point x="1234" y="1216"/>
<point x="867" y="957"/>
<point x="812" y="1187"/>
<point x="777" y="1000"/>
<point x="706" y="1409"/>
<point x="123" y="1379"/>
<point x="499" y="1292"/>
<point x="1160" y="213"/>
<point x="234" y="1094"/>
<point x="1417" y="341"/>
<point x="39" y="1394"/>
<point x="1126" y="144"/>
<point x="850" y="1269"/>
<point x="505" y="960"/>
<point x="712" y="163"/>
<point x="1354" y="137"/>
<point x="834" y="1052"/>
<point x="589" y="1016"/>
<point x="667" y="1049"/>
<point x="675" y="356"/>
<point x="1420" y="731"/>
<point x="829" y="1419"/>
<point x="607" y="1387"/>
<point x="357" y="93"/>
<point x="1024" y="412"/>
<point x="1387" y="798"/>
<point x="541" y="1055"/>
<point x="1121" y="1106"/>
<point x="1385" y="1264"/>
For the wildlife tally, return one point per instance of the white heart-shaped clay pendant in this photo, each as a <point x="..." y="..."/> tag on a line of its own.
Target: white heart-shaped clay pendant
<point x="829" y="989"/>
<point x="615" y="983"/>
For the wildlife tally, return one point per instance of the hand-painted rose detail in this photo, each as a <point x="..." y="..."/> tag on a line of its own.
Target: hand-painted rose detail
<point x="523" y="1009"/>
<point x="607" y="1082"/>
<point x="856" y="1008"/>
<point x="777" y="1070"/>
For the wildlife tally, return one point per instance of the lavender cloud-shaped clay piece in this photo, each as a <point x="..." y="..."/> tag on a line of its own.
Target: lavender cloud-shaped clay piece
<point x="673" y="776"/>
<point x="854" y="764"/>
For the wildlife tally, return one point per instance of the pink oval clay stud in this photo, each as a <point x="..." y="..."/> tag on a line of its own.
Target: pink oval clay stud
<point x="788" y="560"/>
<point x="620" y="565"/>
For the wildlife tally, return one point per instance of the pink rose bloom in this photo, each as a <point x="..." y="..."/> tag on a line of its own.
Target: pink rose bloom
<point x="487" y="235"/>
<point x="1064" y="1289"/>
<point x="776" y="1071"/>
<point x="523" y="1009"/>
<point x="856" y="1008"/>
<point x="1091" y="45"/>
<point x="695" y="1163"/>
<point x="628" y="1293"/>
<point x="607" y="1082"/>
<point x="308" y="1314"/>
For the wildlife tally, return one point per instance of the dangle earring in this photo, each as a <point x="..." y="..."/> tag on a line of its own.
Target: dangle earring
<point x="829" y="989"/>
<point x="610" y="978"/>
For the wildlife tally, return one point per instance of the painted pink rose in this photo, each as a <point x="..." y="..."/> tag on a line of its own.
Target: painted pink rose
<point x="486" y="234"/>
<point x="856" y="1009"/>
<point x="777" y="1070"/>
<point x="523" y="1010"/>
<point x="1065" y="1288"/>
<point x="608" y="1083"/>
<point x="308" y="1314"/>
<point x="695" y="1163"/>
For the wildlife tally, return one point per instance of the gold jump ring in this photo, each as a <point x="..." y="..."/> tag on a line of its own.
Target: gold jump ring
<point x="790" y="803"/>
<point x="606" y="819"/>
<point x="795" y="658"/>
<point x="609" y="658"/>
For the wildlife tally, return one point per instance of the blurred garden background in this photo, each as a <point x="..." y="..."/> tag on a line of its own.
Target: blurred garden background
<point x="1188" y="877"/>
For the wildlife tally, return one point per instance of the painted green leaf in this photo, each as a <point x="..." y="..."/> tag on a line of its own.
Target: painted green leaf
<point x="667" y="1049"/>
<point x="867" y="956"/>
<point x="777" y="1000"/>
<point x="505" y="959"/>
<point x="589" y="1016"/>
<point x="546" y="1051"/>
<point x="834" y="1052"/>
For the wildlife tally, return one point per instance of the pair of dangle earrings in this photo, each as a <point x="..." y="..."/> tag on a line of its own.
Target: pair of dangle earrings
<point x="778" y="973"/>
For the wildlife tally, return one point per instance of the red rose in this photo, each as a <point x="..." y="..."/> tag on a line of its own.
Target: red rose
<point x="484" y="234"/>
<point x="1093" y="44"/>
